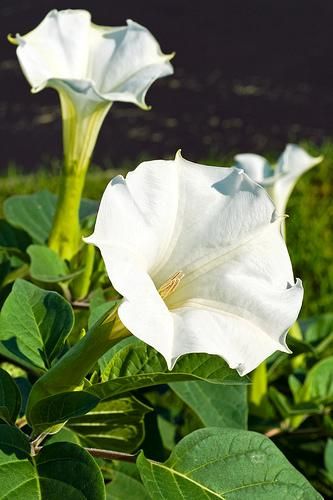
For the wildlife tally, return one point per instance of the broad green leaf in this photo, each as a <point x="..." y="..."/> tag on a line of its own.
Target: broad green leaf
<point x="34" y="213"/>
<point x="10" y="398"/>
<point x="138" y="365"/>
<point x="116" y="424"/>
<point x="228" y="464"/>
<point x="57" y="409"/>
<point x="67" y="471"/>
<point x="47" y="266"/>
<point x="34" y="324"/>
<point x="125" y="487"/>
<point x="60" y="470"/>
<point x="215" y="405"/>
<point x="318" y="385"/>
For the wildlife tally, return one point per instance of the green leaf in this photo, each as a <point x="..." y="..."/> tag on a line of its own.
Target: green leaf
<point x="12" y="238"/>
<point x="215" y="405"/>
<point x="224" y="463"/>
<point x="10" y="398"/>
<point x="47" y="266"/>
<point x="34" y="324"/>
<point x="116" y="424"/>
<point x="138" y="365"/>
<point x="67" y="471"/>
<point x="60" y="470"/>
<point x="57" y="409"/>
<point x="125" y="487"/>
<point x="328" y="456"/>
<point x="318" y="385"/>
<point x="34" y="213"/>
<point x="17" y="473"/>
<point x="319" y="328"/>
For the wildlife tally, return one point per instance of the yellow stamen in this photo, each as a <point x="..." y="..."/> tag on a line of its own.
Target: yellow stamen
<point x="171" y="284"/>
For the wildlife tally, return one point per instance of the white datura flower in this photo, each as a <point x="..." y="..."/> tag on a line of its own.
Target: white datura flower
<point x="91" y="67"/>
<point x="278" y="180"/>
<point x="198" y="256"/>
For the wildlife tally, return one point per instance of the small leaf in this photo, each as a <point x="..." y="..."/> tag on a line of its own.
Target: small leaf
<point x="34" y="213"/>
<point x="215" y="405"/>
<point x="10" y="398"/>
<point x="328" y="456"/>
<point x="224" y="463"/>
<point x="138" y="365"/>
<point x="318" y="385"/>
<point x="319" y="328"/>
<point x="59" y="408"/>
<point x="117" y="424"/>
<point x="34" y="324"/>
<point x="47" y="266"/>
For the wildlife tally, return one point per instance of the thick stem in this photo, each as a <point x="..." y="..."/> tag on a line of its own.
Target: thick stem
<point x="65" y="236"/>
<point x="82" y="119"/>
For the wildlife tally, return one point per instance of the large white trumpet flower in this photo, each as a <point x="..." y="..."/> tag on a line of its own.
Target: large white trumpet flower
<point x="91" y="67"/>
<point x="198" y="256"/>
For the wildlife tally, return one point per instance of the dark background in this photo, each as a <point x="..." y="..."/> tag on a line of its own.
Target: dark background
<point x="250" y="75"/>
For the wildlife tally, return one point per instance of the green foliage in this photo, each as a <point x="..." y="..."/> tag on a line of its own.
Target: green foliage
<point x="34" y="325"/>
<point x="10" y="398"/>
<point x="116" y="424"/>
<point x="46" y="266"/>
<point x="224" y="463"/>
<point x="222" y="405"/>
<point x="130" y="400"/>
<point x="60" y="470"/>
<point x="137" y="365"/>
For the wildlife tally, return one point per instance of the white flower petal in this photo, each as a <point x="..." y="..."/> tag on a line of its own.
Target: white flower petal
<point x="51" y="50"/>
<point x="142" y="311"/>
<point x="244" y="284"/>
<point x="293" y="162"/>
<point x="237" y="297"/>
<point x="129" y="61"/>
<point x="119" y="64"/>
<point x="256" y="167"/>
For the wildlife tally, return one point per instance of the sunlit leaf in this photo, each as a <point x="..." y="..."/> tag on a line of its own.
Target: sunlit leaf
<point x="224" y="463"/>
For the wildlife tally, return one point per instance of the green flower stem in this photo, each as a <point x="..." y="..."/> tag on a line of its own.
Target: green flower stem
<point x="82" y="119"/>
<point x="80" y="285"/>
<point x="69" y="372"/>
<point x="65" y="235"/>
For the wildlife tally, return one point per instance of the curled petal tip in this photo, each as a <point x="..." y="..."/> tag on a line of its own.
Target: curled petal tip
<point x="178" y="155"/>
<point x="12" y="39"/>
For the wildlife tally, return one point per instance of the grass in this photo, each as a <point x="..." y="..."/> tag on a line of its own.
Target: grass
<point x="309" y="226"/>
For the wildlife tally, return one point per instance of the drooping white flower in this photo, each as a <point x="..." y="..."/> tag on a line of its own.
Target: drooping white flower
<point x="198" y="256"/>
<point x="278" y="180"/>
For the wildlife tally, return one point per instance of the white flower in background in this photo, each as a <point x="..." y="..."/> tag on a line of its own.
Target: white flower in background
<point x="198" y="256"/>
<point x="278" y="180"/>
<point x="91" y="67"/>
